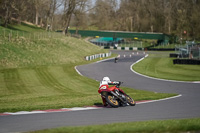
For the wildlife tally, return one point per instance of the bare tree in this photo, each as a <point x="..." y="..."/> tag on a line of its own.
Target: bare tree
<point x="80" y="16"/>
<point x="6" y="11"/>
<point x="69" y="7"/>
<point x="52" y="6"/>
<point x="104" y="14"/>
<point x="40" y="8"/>
<point x="167" y="16"/>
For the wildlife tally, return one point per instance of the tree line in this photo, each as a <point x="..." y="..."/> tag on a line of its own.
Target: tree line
<point x="174" y="17"/>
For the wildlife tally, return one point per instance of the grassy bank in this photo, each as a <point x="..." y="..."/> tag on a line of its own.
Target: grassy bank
<point x="20" y="48"/>
<point x="169" y="126"/>
<point x="159" y="65"/>
<point x="38" y="73"/>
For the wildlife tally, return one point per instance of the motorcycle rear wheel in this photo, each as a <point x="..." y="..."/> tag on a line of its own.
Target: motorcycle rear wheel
<point x="112" y="101"/>
<point x="130" y="101"/>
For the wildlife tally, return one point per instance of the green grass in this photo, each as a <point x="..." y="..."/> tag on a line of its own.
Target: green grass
<point x="23" y="27"/>
<point x="159" y="65"/>
<point x="159" y="126"/>
<point x="165" y="46"/>
<point x="145" y="44"/>
<point x="44" y="88"/>
<point x="39" y="73"/>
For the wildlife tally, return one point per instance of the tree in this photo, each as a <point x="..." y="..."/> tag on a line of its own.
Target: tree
<point x="52" y="6"/>
<point x="166" y="16"/>
<point x="103" y="16"/>
<point x="69" y="6"/>
<point x="80" y="16"/>
<point x="6" y="11"/>
<point x="40" y="10"/>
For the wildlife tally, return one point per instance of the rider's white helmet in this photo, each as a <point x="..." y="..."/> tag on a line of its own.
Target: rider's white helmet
<point x="107" y="79"/>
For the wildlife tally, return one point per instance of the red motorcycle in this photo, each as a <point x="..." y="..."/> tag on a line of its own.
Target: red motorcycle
<point x="115" y="96"/>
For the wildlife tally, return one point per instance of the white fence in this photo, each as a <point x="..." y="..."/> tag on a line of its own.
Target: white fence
<point x="101" y="55"/>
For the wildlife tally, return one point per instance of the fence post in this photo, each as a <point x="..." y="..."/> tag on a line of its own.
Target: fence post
<point x="9" y="37"/>
<point x="4" y="33"/>
<point x="199" y="52"/>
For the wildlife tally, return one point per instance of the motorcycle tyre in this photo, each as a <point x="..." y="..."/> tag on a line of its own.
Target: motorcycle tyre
<point x="130" y="103"/>
<point x="110" y="102"/>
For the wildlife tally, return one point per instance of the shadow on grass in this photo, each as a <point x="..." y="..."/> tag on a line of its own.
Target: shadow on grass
<point x="31" y="26"/>
<point x="98" y="104"/>
<point x="13" y="28"/>
<point x="101" y="105"/>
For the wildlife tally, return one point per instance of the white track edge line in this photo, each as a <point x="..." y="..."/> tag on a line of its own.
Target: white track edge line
<point x="77" y="71"/>
<point x="93" y="62"/>
<point x="196" y="82"/>
<point x="161" y="99"/>
<point x="43" y="111"/>
<point x="81" y="108"/>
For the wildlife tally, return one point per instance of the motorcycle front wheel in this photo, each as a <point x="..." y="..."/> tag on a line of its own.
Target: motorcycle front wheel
<point x="112" y="101"/>
<point x="130" y="101"/>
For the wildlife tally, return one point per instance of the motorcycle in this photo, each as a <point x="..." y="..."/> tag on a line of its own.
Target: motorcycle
<point x="115" y="96"/>
<point x="116" y="59"/>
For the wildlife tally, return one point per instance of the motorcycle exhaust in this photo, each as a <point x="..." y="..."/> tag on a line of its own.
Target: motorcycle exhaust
<point x="117" y="96"/>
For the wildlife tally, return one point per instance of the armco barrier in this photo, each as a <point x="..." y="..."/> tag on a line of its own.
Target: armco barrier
<point x="136" y="48"/>
<point x="102" y="55"/>
<point x="128" y="48"/>
<point x="161" y="49"/>
<point x="186" y="61"/>
<point x="173" y="55"/>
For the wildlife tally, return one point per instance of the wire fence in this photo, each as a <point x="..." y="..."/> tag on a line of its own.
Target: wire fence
<point x="195" y="52"/>
<point x="11" y="35"/>
<point x="191" y="50"/>
<point x="119" y="44"/>
<point x="132" y="43"/>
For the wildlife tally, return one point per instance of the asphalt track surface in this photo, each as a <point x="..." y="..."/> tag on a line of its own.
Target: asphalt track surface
<point x="186" y="106"/>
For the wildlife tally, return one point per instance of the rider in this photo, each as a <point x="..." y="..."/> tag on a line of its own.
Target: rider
<point x="104" y="84"/>
<point x="117" y="58"/>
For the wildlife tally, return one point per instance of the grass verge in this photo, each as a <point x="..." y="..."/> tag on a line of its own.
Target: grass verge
<point x="159" y="126"/>
<point x="159" y="65"/>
